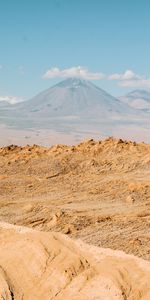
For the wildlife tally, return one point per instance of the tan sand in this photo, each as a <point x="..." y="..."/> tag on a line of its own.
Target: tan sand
<point x="37" y="265"/>
<point x="96" y="191"/>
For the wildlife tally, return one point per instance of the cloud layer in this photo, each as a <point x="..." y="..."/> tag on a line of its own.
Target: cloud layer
<point x="130" y="79"/>
<point x="79" y="71"/>
<point x="11" y="99"/>
<point x="126" y="79"/>
<point x="127" y="75"/>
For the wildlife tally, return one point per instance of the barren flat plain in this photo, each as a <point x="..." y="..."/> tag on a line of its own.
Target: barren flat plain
<point x="96" y="193"/>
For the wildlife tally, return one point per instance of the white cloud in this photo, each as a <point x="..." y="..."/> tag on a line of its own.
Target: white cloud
<point x="11" y="99"/>
<point x="1" y="67"/>
<point x="127" y="75"/>
<point x="130" y="79"/>
<point x="140" y="83"/>
<point x="126" y="79"/>
<point x="73" y="72"/>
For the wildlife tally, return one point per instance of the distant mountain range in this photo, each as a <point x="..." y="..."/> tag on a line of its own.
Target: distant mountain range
<point x="78" y="108"/>
<point x="74" y="97"/>
<point x="138" y="99"/>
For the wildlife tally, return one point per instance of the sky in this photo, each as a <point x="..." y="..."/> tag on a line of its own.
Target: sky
<point x="45" y="41"/>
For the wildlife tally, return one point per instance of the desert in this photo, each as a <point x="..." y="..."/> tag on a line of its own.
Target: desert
<point x="38" y="265"/>
<point x="83" y="208"/>
<point x="74" y="150"/>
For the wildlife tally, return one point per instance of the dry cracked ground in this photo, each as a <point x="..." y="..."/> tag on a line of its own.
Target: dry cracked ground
<point x="94" y="192"/>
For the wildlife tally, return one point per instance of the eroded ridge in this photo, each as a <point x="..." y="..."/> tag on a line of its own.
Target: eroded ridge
<point x="37" y="265"/>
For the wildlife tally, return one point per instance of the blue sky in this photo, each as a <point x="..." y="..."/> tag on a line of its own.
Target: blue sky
<point x="111" y="37"/>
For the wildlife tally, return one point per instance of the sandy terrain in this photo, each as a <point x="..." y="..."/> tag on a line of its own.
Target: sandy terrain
<point x="96" y="191"/>
<point x="37" y="265"/>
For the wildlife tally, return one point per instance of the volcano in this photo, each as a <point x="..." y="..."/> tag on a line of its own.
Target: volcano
<point x="74" y="97"/>
<point x="71" y="111"/>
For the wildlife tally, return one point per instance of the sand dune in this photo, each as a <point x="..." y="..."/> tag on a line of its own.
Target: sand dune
<point x="38" y="265"/>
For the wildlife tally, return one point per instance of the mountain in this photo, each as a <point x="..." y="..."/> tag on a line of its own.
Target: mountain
<point x="74" y="97"/>
<point x="138" y="99"/>
<point x="70" y="111"/>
